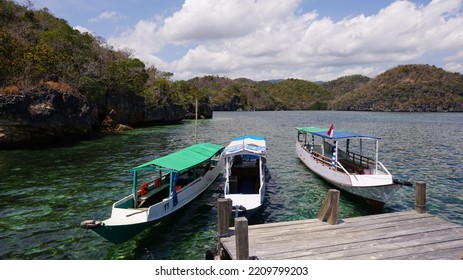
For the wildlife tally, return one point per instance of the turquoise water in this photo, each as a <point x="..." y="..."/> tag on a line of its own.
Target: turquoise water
<point x="46" y="192"/>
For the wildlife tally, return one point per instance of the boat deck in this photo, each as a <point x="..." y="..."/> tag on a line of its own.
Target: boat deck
<point x="399" y="235"/>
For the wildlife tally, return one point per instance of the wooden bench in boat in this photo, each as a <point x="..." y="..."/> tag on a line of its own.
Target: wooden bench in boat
<point x="151" y="192"/>
<point x="245" y="171"/>
<point x="352" y="166"/>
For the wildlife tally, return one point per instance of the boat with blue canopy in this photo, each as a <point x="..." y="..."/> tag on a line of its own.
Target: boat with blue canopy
<point x="246" y="173"/>
<point x="160" y="187"/>
<point x="355" y="168"/>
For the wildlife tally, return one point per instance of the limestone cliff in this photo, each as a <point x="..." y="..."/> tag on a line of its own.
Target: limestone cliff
<point x="43" y="115"/>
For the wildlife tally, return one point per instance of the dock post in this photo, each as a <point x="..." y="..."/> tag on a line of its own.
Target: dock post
<point x="420" y="197"/>
<point x="330" y="208"/>
<point x="241" y="238"/>
<point x="224" y="209"/>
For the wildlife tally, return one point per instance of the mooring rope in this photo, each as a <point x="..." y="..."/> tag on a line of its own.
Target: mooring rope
<point x="80" y="239"/>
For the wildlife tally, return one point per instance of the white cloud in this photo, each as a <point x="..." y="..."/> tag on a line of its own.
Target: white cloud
<point x="207" y="20"/>
<point x="83" y="30"/>
<point x="454" y="67"/>
<point x="108" y="15"/>
<point x="143" y="40"/>
<point x="274" y="39"/>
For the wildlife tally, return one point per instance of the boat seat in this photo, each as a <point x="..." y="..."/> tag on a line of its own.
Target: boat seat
<point x="152" y="192"/>
<point x="352" y="166"/>
<point x="233" y="184"/>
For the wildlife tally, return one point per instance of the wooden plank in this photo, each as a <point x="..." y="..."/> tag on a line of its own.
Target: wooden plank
<point x="377" y="249"/>
<point x="335" y="249"/>
<point x="404" y="253"/>
<point x="339" y="239"/>
<point x="362" y="219"/>
<point x="327" y="231"/>
<point x="401" y="235"/>
<point x="447" y="254"/>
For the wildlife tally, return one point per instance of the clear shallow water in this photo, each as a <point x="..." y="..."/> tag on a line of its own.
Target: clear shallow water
<point x="45" y="193"/>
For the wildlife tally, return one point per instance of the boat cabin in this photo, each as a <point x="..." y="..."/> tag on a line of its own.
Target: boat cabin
<point x="350" y="152"/>
<point x="165" y="177"/>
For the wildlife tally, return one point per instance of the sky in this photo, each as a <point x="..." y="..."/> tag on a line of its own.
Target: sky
<point x="314" y="40"/>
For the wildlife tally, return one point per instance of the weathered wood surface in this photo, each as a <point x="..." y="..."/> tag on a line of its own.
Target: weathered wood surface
<point x="399" y="235"/>
<point x="329" y="210"/>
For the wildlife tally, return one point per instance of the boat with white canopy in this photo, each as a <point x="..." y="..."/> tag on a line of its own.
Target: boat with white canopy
<point x="246" y="173"/>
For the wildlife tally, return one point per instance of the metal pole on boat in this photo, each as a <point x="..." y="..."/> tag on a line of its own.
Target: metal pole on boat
<point x="361" y="146"/>
<point x="134" y="188"/>
<point x="376" y="156"/>
<point x="171" y="182"/>
<point x="196" y="120"/>
<point x="313" y="143"/>
<point x="347" y="147"/>
<point x="323" y="146"/>
<point x="335" y="154"/>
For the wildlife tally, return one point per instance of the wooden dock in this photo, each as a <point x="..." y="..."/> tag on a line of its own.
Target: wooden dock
<point x="400" y="235"/>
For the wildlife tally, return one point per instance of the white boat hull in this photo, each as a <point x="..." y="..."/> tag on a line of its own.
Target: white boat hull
<point x="377" y="188"/>
<point x="126" y="222"/>
<point x="248" y="202"/>
<point x="246" y="179"/>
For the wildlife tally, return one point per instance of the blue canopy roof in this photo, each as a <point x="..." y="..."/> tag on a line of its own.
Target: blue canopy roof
<point x="337" y="134"/>
<point x="254" y="137"/>
<point x="251" y="144"/>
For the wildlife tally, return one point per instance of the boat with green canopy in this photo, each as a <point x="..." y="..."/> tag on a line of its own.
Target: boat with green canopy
<point x="160" y="187"/>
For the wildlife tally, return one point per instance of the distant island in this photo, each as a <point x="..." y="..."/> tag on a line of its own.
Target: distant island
<point x="405" y="88"/>
<point x="57" y="83"/>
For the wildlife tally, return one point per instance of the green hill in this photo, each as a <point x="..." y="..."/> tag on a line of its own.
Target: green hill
<point x="38" y="49"/>
<point x="414" y="88"/>
<point x="345" y="84"/>
<point x="247" y="95"/>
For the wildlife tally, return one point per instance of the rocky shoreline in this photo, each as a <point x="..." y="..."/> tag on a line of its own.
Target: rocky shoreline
<point x="45" y="115"/>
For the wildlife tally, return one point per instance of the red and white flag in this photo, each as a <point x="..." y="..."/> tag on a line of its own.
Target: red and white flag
<point x="330" y="131"/>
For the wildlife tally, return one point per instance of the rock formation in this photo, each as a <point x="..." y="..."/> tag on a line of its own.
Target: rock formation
<point x="43" y="115"/>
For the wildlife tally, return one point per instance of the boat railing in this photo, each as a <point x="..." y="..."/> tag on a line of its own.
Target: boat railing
<point x="321" y="158"/>
<point x="341" y="168"/>
<point x="360" y="159"/>
<point x="329" y="162"/>
<point x="384" y="168"/>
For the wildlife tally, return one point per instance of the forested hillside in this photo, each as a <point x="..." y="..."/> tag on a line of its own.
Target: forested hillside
<point x="243" y="94"/>
<point x="40" y="50"/>
<point x="345" y="84"/>
<point x="414" y="88"/>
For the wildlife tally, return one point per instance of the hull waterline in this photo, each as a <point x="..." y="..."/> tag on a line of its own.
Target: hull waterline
<point x="121" y="233"/>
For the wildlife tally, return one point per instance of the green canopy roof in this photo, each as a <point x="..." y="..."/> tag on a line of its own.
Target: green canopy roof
<point x="311" y="129"/>
<point x="185" y="158"/>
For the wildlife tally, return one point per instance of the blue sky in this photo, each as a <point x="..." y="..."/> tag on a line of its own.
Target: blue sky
<point x="273" y="39"/>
